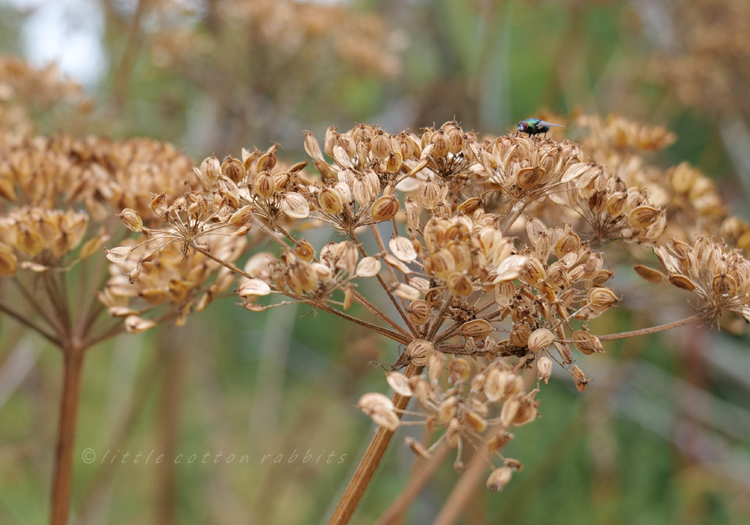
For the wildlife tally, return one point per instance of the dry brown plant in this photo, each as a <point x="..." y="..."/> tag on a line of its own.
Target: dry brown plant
<point x="428" y="261"/>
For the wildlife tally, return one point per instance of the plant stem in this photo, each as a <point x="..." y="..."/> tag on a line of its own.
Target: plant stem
<point x="369" y="463"/>
<point x="463" y="491"/>
<point x="63" y="477"/>
<point x="653" y="329"/>
<point x="413" y="488"/>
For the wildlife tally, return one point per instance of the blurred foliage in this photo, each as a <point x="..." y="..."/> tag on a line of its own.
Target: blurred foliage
<point x="218" y="75"/>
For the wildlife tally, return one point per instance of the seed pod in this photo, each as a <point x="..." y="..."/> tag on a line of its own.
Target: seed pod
<point x="403" y="249"/>
<point x="412" y="214"/>
<point x="540" y="339"/>
<point x="649" y="274"/>
<point x="544" y="369"/>
<point x="682" y="282"/>
<point x="529" y="178"/>
<point x="233" y="168"/>
<point x="405" y="291"/>
<point x="136" y="325"/>
<point x="587" y="343"/>
<point x="251" y="289"/>
<point x="264" y="185"/>
<point x="330" y="201"/>
<point x="302" y="277"/>
<point x="724" y="285"/>
<point x="399" y="383"/>
<point x="418" y="312"/>
<point x="242" y="216"/>
<point x="419" y="351"/>
<point x="368" y="267"/>
<point x="132" y="220"/>
<point x="312" y="147"/>
<point x="459" y="284"/>
<point x="380" y="145"/>
<point x="478" y="329"/>
<point x="499" y="440"/>
<point x="324" y="273"/>
<point x="417" y="447"/>
<point x="442" y="264"/>
<point x="448" y="409"/>
<point x="519" y="335"/>
<point x="428" y="194"/>
<point x="580" y="379"/>
<point x="642" y="217"/>
<point x="601" y="299"/>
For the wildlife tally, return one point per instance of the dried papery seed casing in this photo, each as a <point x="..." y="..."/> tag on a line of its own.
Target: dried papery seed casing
<point x="504" y="293"/>
<point x="587" y="343"/>
<point x="135" y="324"/>
<point x="648" y="274"/>
<point x="295" y="205"/>
<point x="580" y="379"/>
<point x="642" y="217"/>
<point x="458" y="370"/>
<point x="509" y="411"/>
<point x="384" y="208"/>
<point x="459" y="284"/>
<point x="441" y="264"/>
<point x="519" y="335"/>
<point x="233" y="168"/>
<point x="264" y="185"/>
<point x="461" y="256"/>
<point x="448" y="409"/>
<point x="403" y="249"/>
<point x="302" y="277"/>
<point x="475" y="421"/>
<point x="418" y="312"/>
<point x="544" y="369"/>
<point x="312" y="148"/>
<point x="412" y="215"/>
<point x="478" y="329"/>
<point x="428" y="194"/>
<point x="499" y="440"/>
<point x="210" y="169"/>
<point x="539" y="339"/>
<point x="252" y="289"/>
<point x="682" y="282"/>
<point x="527" y="410"/>
<point x="304" y="250"/>
<point x="532" y="272"/>
<point x="616" y="204"/>
<point x="404" y="291"/>
<point x="399" y="383"/>
<point x="724" y="285"/>
<point x="419" y="351"/>
<point x="242" y="216"/>
<point x="393" y="162"/>
<point x="380" y="145"/>
<point x="368" y="267"/>
<point x="568" y="243"/>
<point x="392" y="261"/>
<point x="529" y="178"/>
<point x="435" y="366"/>
<point x="601" y="299"/>
<point x="324" y="273"/>
<point x="132" y="220"/>
<point x="330" y="201"/>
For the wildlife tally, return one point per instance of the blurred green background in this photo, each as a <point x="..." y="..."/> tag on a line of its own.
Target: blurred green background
<point x="660" y="437"/>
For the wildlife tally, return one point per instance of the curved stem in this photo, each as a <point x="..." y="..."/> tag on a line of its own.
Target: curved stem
<point x="31" y="324"/>
<point x="653" y="329"/>
<point x="369" y="463"/>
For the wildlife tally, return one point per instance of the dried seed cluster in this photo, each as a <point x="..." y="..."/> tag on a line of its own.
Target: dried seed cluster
<point x="427" y="260"/>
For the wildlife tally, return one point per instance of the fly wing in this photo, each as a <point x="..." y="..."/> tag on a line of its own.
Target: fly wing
<point x="545" y="123"/>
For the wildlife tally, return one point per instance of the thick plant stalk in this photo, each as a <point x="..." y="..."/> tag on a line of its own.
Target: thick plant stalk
<point x="369" y="464"/>
<point x="63" y="478"/>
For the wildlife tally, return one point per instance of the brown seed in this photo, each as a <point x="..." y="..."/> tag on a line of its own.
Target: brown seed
<point x="384" y="208"/>
<point x="418" y="312"/>
<point x="419" y="351"/>
<point x="330" y="201"/>
<point x="682" y="282"/>
<point x="540" y="339"/>
<point x="586" y="342"/>
<point x="544" y="369"/>
<point x="648" y="274"/>
<point x="478" y="329"/>
<point x="459" y="284"/>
